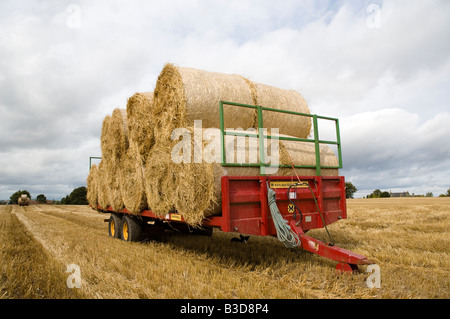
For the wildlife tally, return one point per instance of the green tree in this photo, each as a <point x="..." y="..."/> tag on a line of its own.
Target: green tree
<point x="41" y="199"/>
<point x="15" y="197"/>
<point x="429" y="194"/>
<point x="375" y="194"/>
<point x="350" y="189"/>
<point x="65" y="200"/>
<point x="385" y="195"/>
<point x="77" y="197"/>
<point x="378" y="194"/>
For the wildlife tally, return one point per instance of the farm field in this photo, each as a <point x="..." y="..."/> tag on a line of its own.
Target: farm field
<point x="408" y="239"/>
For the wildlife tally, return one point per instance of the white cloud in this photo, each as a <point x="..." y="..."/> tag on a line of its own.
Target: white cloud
<point x="388" y="85"/>
<point x="393" y="149"/>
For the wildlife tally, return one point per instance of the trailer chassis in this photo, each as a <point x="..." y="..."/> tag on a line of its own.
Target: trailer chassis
<point x="245" y="210"/>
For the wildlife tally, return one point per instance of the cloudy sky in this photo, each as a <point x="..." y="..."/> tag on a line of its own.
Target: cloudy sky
<point x="381" y="67"/>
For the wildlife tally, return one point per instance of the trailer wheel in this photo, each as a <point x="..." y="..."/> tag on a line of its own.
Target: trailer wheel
<point x="114" y="225"/>
<point x="131" y="229"/>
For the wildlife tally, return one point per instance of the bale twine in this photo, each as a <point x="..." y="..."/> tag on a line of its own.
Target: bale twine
<point x="92" y="187"/>
<point x="131" y="180"/>
<point x="140" y="124"/>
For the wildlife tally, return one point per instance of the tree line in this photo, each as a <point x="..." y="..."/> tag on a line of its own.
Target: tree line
<point x="79" y="195"/>
<point x="350" y="190"/>
<point x="383" y="194"/>
<point x="76" y="197"/>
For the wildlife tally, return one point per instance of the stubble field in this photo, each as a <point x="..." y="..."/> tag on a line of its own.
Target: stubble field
<point x="408" y="239"/>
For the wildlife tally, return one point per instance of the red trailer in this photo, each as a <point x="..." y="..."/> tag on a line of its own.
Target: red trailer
<point x="282" y="206"/>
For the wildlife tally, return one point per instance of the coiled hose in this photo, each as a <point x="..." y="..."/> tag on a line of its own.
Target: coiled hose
<point x="284" y="232"/>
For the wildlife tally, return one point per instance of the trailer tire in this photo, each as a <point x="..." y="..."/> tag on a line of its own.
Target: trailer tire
<point x="114" y="225"/>
<point x="131" y="229"/>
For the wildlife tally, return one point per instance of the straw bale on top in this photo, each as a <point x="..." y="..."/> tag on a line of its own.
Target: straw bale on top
<point x="183" y="95"/>
<point x="288" y="100"/>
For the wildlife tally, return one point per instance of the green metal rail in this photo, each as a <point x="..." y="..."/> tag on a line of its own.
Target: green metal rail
<point x="262" y="165"/>
<point x="90" y="160"/>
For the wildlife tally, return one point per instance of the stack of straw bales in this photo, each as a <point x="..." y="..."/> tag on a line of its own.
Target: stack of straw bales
<point x="138" y="170"/>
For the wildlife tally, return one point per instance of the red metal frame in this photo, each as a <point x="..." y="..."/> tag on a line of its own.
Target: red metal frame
<point x="245" y="210"/>
<point x="245" y="207"/>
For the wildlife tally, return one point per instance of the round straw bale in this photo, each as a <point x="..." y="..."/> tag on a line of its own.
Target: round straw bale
<point x="114" y="194"/>
<point x="183" y="95"/>
<point x="186" y="187"/>
<point x="92" y="191"/>
<point x="115" y="137"/>
<point x="192" y="187"/>
<point x="297" y="153"/>
<point x="245" y="150"/>
<point x="196" y="193"/>
<point x="140" y="124"/>
<point x="158" y="185"/>
<point x="288" y="100"/>
<point x="131" y="180"/>
<point x="301" y="153"/>
<point x="105" y="139"/>
<point x="102" y="185"/>
<point x="195" y="187"/>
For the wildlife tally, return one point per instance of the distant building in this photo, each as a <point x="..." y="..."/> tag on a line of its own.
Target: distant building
<point x="404" y="194"/>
